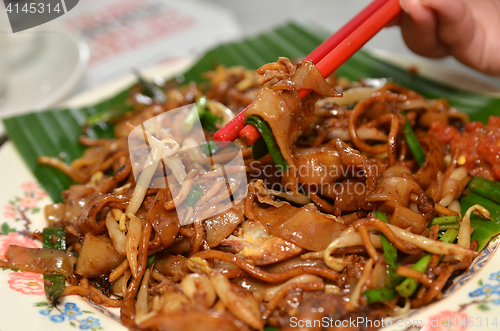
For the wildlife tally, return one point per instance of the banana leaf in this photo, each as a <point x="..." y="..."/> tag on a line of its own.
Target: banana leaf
<point x="55" y="132"/>
<point x="484" y="230"/>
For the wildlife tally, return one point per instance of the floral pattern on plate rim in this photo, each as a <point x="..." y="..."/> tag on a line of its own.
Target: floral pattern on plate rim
<point x="26" y="282"/>
<point x="21" y="206"/>
<point x="71" y="313"/>
<point x="18" y="212"/>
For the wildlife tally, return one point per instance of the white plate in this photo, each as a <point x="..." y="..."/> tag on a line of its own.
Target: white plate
<point x="473" y="300"/>
<point x="42" y="67"/>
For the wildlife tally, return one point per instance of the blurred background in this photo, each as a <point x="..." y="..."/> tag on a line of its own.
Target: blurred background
<point x="101" y="40"/>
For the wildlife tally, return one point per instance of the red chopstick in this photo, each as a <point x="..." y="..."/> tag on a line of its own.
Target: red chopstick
<point x="329" y="44"/>
<point x="327" y="57"/>
<point x="232" y="129"/>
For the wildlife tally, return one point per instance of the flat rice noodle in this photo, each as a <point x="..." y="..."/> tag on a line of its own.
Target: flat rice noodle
<point x="396" y="185"/>
<point x="251" y="284"/>
<point x="97" y="257"/>
<point x="437" y="110"/>
<point x="74" y="199"/>
<point x="170" y="265"/>
<point x="87" y="221"/>
<point x="165" y="222"/>
<point x="55" y="213"/>
<point x="40" y="260"/>
<point x="220" y="226"/>
<point x="426" y="174"/>
<point x="349" y="195"/>
<point x="308" y="77"/>
<point x="284" y="111"/>
<point x="316" y="168"/>
<point x="293" y="263"/>
<point x="353" y="160"/>
<point x="302" y="226"/>
<point x="434" y="150"/>
<point x="404" y="218"/>
<point x="328" y="163"/>
<point x="181" y="244"/>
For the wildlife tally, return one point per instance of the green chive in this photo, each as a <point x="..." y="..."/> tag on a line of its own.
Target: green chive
<point x="391" y="255"/>
<point x="413" y="143"/>
<point x="210" y="122"/>
<point x="151" y="259"/>
<point x="54" y="238"/>
<point x="443" y="227"/>
<point x="269" y="139"/>
<point x="445" y="220"/>
<point x="409" y="285"/>
<point x="449" y="236"/>
<point x="379" y="294"/>
<point x="381" y="216"/>
<point x="210" y="148"/>
<point x="194" y="195"/>
<point x="200" y="106"/>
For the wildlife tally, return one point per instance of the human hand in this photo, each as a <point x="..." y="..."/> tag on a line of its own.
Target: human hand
<point x="467" y="30"/>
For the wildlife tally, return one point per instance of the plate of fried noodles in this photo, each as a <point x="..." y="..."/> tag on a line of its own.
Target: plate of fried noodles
<point x="367" y="205"/>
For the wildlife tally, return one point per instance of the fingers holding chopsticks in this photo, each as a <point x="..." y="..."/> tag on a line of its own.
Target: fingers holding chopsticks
<point x="464" y="29"/>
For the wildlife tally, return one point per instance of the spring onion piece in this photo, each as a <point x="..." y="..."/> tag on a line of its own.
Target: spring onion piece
<point x="194" y="195"/>
<point x="381" y="216"/>
<point x="109" y="115"/>
<point x="54" y="238"/>
<point x="449" y="236"/>
<point x="210" y="122"/>
<point x="151" y="89"/>
<point x="202" y="103"/>
<point x="413" y="144"/>
<point x="151" y="259"/>
<point x="487" y="188"/>
<point x="188" y="122"/>
<point x="409" y="285"/>
<point x="210" y="148"/>
<point x="200" y="107"/>
<point x="445" y="220"/>
<point x="379" y="294"/>
<point x="267" y="134"/>
<point x="444" y="227"/>
<point x="391" y="255"/>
